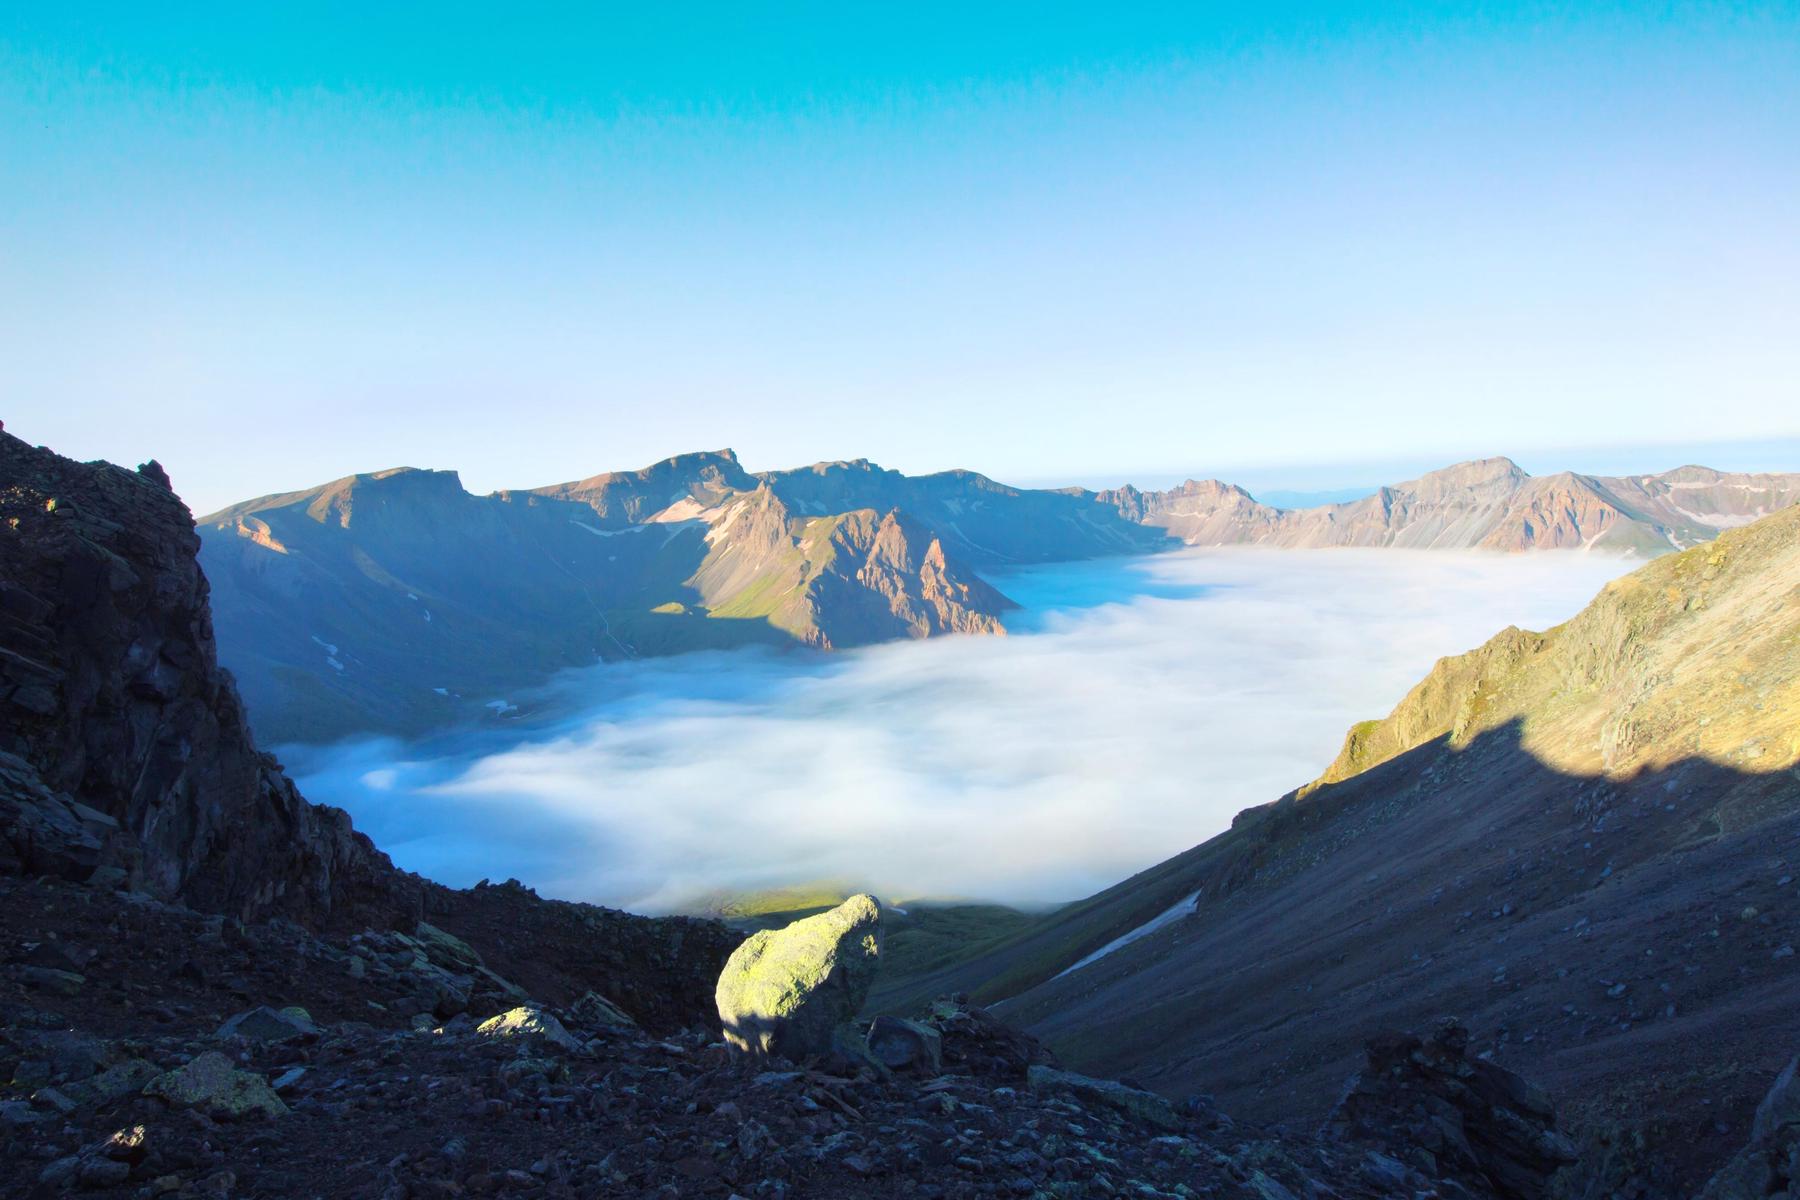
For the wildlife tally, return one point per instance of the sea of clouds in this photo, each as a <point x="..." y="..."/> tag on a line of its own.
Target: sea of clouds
<point x="1138" y="705"/>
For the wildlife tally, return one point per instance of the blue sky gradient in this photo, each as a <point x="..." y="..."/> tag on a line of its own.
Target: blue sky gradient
<point x="1044" y="241"/>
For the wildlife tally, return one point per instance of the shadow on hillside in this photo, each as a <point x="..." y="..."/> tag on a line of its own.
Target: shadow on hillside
<point x="1614" y="938"/>
<point x="1687" y="804"/>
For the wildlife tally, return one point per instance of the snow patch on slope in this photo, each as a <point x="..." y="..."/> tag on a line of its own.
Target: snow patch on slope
<point x="1167" y="917"/>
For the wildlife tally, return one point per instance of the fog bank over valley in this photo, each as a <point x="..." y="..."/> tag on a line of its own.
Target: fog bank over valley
<point x="1137" y="706"/>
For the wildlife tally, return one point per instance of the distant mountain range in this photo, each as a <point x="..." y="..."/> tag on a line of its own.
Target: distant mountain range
<point x="1490" y="504"/>
<point x="390" y="601"/>
<point x="396" y="601"/>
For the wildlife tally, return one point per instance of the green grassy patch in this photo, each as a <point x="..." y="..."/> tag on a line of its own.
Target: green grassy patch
<point x="930" y="936"/>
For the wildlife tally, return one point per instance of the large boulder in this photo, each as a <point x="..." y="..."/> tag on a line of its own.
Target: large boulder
<point x="786" y="991"/>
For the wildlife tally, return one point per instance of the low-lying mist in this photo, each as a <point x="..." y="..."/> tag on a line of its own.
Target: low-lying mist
<point x="1137" y="707"/>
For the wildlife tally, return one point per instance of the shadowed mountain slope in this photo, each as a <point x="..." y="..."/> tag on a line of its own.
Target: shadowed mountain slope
<point x="1584" y="840"/>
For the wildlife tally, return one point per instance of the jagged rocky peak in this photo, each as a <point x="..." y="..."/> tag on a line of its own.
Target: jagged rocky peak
<point x="125" y="746"/>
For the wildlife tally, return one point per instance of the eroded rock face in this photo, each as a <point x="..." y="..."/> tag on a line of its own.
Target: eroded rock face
<point x="1428" y="1105"/>
<point x="787" y="991"/>
<point x="123" y="746"/>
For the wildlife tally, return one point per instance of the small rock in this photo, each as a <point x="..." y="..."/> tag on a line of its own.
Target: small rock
<point x="211" y="1084"/>
<point x="266" y="1024"/>
<point x="102" y="1173"/>
<point x="60" y="1171"/>
<point x="900" y="1045"/>
<point x="49" y="979"/>
<point x="529" y="1021"/>
<point x="53" y="1098"/>
<point x="130" y="1145"/>
<point x="446" y="949"/>
<point x="1146" y="1106"/>
<point x="595" y="1011"/>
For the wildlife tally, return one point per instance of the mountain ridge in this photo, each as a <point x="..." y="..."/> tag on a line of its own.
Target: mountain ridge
<point x="397" y="601"/>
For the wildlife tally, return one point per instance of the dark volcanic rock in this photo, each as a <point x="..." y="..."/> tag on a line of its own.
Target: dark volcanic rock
<point x="1427" y="1104"/>
<point x="124" y="744"/>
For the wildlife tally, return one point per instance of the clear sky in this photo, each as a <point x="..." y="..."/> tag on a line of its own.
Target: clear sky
<point x="274" y="244"/>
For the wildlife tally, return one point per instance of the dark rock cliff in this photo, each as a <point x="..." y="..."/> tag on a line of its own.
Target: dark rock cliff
<point x="124" y="745"/>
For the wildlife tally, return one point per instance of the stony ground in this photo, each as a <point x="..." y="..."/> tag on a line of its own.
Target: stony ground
<point x="134" y="1071"/>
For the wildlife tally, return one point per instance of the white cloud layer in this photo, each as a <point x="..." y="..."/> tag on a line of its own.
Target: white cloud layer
<point x="1141" y="704"/>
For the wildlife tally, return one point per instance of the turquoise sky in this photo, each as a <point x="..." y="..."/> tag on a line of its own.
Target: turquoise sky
<point x="1047" y="241"/>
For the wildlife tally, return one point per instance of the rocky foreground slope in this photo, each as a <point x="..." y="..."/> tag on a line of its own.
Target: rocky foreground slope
<point x="153" y="1051"/>
<point x="1585" y="842"/>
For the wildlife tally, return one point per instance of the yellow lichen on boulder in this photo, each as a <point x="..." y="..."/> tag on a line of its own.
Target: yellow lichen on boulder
<point x="786" y="991"/>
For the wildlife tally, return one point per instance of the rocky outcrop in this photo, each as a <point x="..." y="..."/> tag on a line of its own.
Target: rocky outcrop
<point x="620" y="499"/>
<point x="1426" y="1104"/>
<point x="981" y="521"/>
<point x="790" y="991"/>
<point x="838" y="581"/>
<point x="1768" y="1167"/>
<point x="124" y="748"/>
<point x="888" y="576"/>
